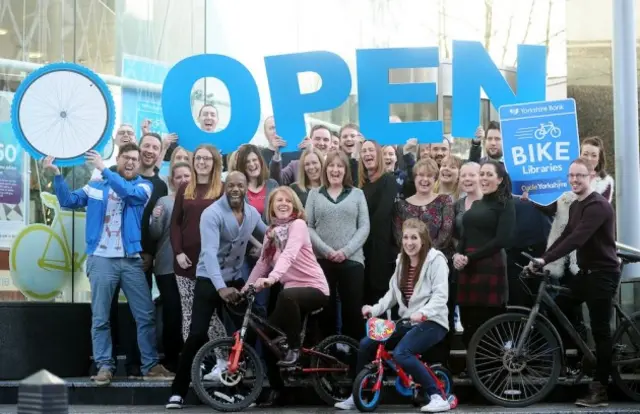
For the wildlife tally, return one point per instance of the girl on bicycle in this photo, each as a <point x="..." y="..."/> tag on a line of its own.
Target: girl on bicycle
<point x="420" y="288"/>
<point x="287" y="257"/>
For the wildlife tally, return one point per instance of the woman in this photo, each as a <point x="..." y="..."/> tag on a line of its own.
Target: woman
<point x="191" y="200"/>
<point x="449" y="181"/>
<point x="249" y="161"/>
<point x="180" y="155"/>
<point x="380" y="191"/>
<point x="310" y="175"/>
<point x="288" y="258"/>
<point x="420" y="288"/>
<point x="338" y="221"/>
<point x="173" y="317"/>
<point x="480" y="258"/>
<point x="436" y="210"/>
<point x="593" y="150"/>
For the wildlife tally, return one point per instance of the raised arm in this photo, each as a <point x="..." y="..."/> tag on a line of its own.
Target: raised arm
<point x="72" y="199"/>
<point x="134" y="194"/>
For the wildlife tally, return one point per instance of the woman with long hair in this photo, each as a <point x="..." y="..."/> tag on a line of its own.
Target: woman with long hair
<point x="435" y="210"/>
<point x="592" y="149"/>
<point x="449" y="177"/>
<point x="380" y="191"/>
<point x="249" y="161"/>
<point x="288" y="258"/>
<point x="338" y="222"/>
<point x="191" y="200"/>
<point x="310" y="174"/>
<point x="481" y="258"/>
<point x="420" y="288"/>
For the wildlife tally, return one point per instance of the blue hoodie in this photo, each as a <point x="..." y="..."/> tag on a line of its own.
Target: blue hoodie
<point x="94" y="196"/>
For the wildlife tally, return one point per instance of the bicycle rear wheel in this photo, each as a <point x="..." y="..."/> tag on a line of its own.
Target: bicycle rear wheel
<point x="504" y="379"/>
<point x="233" y="392"/>
<point x="627" y="347"/>
<point x="62" y="110"/>
<point x="333" y="387"/>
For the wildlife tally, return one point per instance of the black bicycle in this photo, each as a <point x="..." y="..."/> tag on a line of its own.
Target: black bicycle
<point x="240" y="383"/>
<point x="515" y="359"/>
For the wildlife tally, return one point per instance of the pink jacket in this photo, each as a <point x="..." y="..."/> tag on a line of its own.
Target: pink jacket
<point x="296" y="265"/>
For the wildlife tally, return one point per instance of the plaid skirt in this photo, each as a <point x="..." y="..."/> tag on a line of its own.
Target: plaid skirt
<point x="483" y="282"/>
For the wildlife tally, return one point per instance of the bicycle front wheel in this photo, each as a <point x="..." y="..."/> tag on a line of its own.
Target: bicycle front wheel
<point x="504" y="378"/>
<point x="231" y="391"/>
<point x="626" y="375"/>
<point x="63" y="110"/>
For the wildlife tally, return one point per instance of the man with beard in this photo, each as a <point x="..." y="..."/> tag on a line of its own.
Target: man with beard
<point x="492" y="143"/>
<point x="439" y="151"/>
<point x="114" y="213"/>
<point x="225" y="229"/>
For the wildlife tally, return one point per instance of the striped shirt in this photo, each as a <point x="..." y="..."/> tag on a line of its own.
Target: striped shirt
<point x="408" y="284"/>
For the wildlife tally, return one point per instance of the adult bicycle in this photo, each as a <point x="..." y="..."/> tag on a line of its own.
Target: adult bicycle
<point x="515" y="359"/>
<point x="327" y="365"/>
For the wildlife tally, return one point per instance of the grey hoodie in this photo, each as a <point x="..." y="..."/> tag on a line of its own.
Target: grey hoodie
<point x="430" y="293"/>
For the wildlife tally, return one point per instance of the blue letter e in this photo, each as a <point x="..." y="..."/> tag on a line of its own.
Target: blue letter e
<point x="244" y="98"/>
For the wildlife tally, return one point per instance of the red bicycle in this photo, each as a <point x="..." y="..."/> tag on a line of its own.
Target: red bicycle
<point x="327" y="364"/>
<point x="367" y="387"/>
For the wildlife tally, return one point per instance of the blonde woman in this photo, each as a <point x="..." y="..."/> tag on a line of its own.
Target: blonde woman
<point x="310" y="174"/>
<point x="449" y="177"/>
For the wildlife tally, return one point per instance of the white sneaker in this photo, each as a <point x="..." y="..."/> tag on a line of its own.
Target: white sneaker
<point x="436" y="405"/>
<point x="459" y="327"/>
<point x="175" y="403"/>
<point x="347" y="404"/>
<point x="214" y="375"/>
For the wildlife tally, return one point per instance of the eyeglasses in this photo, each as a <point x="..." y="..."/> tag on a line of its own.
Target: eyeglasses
<point x="199" y="158"/>
<point x="581" y="176"/>
<point x="130" y="133"/>
<point x="127" y="158"/>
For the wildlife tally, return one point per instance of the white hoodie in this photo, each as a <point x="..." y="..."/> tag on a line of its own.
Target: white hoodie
<point x="430" y="293"/>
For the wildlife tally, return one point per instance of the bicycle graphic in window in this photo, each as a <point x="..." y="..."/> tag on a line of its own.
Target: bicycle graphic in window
<point x="547" y="129"/>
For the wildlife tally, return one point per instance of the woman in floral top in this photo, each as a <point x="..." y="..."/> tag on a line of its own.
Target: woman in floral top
<point x="436" y="210"/>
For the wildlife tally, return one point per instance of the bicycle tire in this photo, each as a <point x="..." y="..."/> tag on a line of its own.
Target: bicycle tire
<point x="549" y="384"/>
<point x="203" y="395"/>
<point x="357" y="386"/>
<point x="105" y="131"/>
<point x="615" y="373"/>
<point x="316" y="379"/>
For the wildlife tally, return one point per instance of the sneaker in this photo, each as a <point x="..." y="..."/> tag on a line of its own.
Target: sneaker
<point x="103" y="377"/>
<point x="175" y="403"/>
<point x="347" y="404"/>
<point x="459" y="327"/>
<point x="597" y="397"/>
<point x="214" y="375"/>
<point x="436" y="405"/>
<point x="159" y="373"/>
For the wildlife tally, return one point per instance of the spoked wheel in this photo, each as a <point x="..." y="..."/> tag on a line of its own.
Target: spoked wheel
<point x="504" y="378"/>
<point x="365" y="396"/>
<point x="627" y="348"/>
<point x="339" y="353"/>
<point x="232" y="391"/>
<point x="63" y="110"/>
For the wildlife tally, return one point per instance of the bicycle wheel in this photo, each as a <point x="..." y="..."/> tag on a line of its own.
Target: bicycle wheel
<point x="365" y="397"/>
<point x="504" y="379"/>
<point x="233" y="392"/>
<point x="333" y="387"/>
<point x="62" y="110"/>
<point x="627" y="347"/>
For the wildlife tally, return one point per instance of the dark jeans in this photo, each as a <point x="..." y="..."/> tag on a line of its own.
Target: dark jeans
<point x="408" y="341"/>
<point x="598" y="290"/>
<point x="206" y="301"/>
<point x="474" y="316"/>
<point x="130" y="347"/>
<point x="291" y="307"/>
<point x="347" y="280"/>
<point x="171" y="319"/>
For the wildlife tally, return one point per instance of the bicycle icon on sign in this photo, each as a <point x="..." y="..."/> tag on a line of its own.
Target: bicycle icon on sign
<point x="547" y="129"/>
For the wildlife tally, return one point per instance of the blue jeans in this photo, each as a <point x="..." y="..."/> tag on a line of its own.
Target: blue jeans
<point x="409" y="341"/>
<point x="105" y="274"/>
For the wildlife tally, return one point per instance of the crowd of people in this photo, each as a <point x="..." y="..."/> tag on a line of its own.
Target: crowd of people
<point x="344" y="225"/>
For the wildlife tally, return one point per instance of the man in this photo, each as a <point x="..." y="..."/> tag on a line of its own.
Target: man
<point x="208" y="118"/>
<point x="492" y="142"/>
<point x="225" y="229"/>
<point x="591" y="232"/>
<point x="439" y="150"/>
<point x="114" y="213"/>
<point x="319" y="138"/>
<point x="274" y="144"/>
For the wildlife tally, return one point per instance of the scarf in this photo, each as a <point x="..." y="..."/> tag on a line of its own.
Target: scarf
<point x="277" y="235"/>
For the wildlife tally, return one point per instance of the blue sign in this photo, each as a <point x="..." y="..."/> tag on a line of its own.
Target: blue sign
<point x="138" y="105"/>
<point x="540" y="140"/>
<point x="473" y="69"/>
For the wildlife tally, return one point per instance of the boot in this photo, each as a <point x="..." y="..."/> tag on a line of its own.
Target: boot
<point x="596" y="397"/>
<point x="290" y="359"/>
<point x="271" y="398"/>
